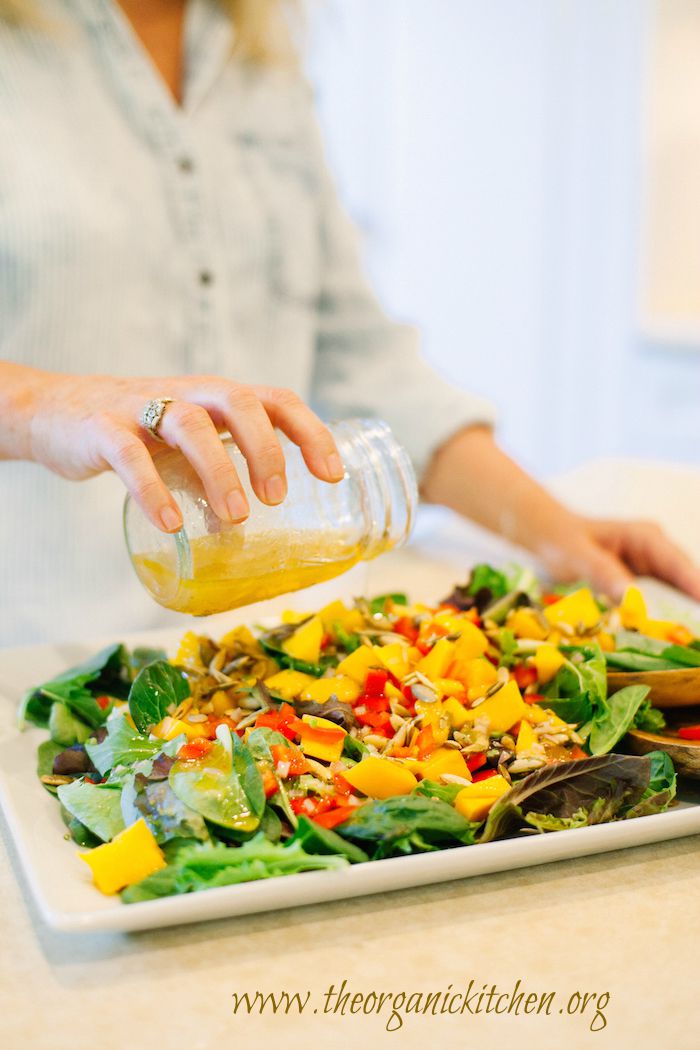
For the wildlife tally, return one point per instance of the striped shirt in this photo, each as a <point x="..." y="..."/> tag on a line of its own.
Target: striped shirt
<point x="140" y="237"/>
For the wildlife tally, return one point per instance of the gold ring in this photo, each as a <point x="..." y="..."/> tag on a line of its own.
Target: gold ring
<point x="152" y="415"/>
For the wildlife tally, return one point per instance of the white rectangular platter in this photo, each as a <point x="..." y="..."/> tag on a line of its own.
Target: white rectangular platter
<point x="61" y="885"/>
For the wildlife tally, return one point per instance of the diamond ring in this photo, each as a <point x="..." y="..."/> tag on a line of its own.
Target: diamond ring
<point x="152" y="415"/>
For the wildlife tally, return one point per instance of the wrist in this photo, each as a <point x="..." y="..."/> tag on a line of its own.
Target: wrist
<point x="20" y="393"/>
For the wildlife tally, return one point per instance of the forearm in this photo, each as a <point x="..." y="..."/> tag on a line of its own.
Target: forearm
<point x="471" y="475"/>
<point x="18" y="387"/>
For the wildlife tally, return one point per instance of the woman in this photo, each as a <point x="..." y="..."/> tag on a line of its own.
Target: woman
<point x="168" y="230"/>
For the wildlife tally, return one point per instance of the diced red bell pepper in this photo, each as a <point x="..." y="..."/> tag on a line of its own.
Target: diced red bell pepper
<point x="325" y="639"/>
<point x="485" y="774"/>
<point x="533" y="698"/>
<point x="341" y="785"/>
<point x="270" y="785"/>
<point x="331" y="818"/>
<point x="524" y="676"/>
<point x="550" y="599"/>
<point x="375" y="683"/>
<point x="310" y="806"/>
<point x="103" y="701"/>
<point x="405" y="627"/>
<point x="290" y="756"/>
<point x="197" y="748"/>
<point x="380" y="721"/>
<point x="284" y="720"/>
<point x="689" y="733"/>
<point x="475" y="762"/>
<point x="425" y="742"/>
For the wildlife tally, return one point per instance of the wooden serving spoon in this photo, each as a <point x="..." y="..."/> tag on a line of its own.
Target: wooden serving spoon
<point x="685" y="754"/>
<point x="668" y="688"/>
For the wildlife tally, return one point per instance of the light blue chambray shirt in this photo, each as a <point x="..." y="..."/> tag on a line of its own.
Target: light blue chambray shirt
<point x="137" y="237"/>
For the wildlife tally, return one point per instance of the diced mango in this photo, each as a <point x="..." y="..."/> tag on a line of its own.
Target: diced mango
<point x="321" y="738"/>
<point x="380" y="777"/>
<point x="526" y="738"/>
<point x="168" y="728"/>
<point x="129" y="857"/>
<point x="189" y="652"/>
<point x="633" y="610"/>
<point x="475" y="801"/>
<point x="525" y="624"/>
<point x="448" y="686"/>
<point x="357" y="664"/>
<point x="503" y="709"/>
<point x="305" y="643"/>
<point x="288" y="684"/>
<point x="547" y="661"/>
<point x="394" y="658"/>
<point x="435" y="664"/>
<point x="322" y="689"/>
<point x="220" y="702"/>
<point x="472" y="642"/>
<point x="292" y="616"/>
<point x="332" y="613"/>
<point x="577" y="609"/>
<point x="456" y="712"/>
<point x="663" y="630"/>
<point x="535" y="715"/>
<point x="443" y="760"/>
<point x="477" y="675"/>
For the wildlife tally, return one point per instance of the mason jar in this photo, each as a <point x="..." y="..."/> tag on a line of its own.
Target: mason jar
<point x="318" y="532"/>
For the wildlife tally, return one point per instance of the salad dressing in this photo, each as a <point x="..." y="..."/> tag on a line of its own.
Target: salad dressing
<point x="228" y="572"/>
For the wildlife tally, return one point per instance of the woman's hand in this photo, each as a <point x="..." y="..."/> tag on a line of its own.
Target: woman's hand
<point x="473" y="476"/>
<point x="79" y="426"/>
<point x="611" y="553"/>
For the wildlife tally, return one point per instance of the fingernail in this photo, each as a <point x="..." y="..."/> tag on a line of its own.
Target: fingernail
<point x="275" y="489"/>
<point x="334" y="466"/>
<point x="237" y="505"/>
<point x="170" y="519"/>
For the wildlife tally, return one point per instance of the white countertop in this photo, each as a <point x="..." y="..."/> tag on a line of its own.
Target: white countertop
<point x="626" y="923"/>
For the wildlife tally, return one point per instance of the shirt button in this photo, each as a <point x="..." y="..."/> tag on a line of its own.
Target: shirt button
<point x="206" y="277"/>
<point x="186" y="165"/>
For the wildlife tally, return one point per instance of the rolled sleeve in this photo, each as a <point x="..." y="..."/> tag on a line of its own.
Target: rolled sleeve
<point x="367" y="365"/>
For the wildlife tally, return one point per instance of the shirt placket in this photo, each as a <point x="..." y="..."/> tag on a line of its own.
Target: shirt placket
<point x="169" y="133"/>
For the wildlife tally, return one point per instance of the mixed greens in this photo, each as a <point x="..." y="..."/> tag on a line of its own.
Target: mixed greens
<point x="355" y="734"/>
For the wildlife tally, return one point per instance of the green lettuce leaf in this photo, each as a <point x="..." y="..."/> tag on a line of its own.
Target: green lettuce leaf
<point x="156" y="687"/>
<point x="96" y="806"/>
<point x="407" y="824"/>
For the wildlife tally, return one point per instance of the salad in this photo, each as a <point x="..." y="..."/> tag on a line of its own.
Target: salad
<point x="353" y="734"/>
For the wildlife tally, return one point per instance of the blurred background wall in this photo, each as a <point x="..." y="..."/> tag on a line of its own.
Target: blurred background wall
<point x="497" y="157"/>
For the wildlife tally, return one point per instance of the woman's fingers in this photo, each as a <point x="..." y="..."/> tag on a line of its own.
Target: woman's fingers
<point x="288" y="412"/>
<point x="189" y="428"/>
<point x="129" y="458"/>
<point x="236" y="407"/>
<point x="651" y="552"/>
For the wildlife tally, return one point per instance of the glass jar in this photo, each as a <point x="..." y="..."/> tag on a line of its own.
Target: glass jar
<point x="318" y="532"/>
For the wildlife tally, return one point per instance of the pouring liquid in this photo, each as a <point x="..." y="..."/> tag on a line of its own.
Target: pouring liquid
<point x="228" y="572"/>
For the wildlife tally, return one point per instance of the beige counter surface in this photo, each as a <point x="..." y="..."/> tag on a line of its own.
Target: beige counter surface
<point x="620" y="929"/>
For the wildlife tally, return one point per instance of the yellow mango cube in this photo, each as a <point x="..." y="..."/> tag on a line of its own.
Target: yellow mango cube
<point x="526" y="738"/>
<point x="436" y="663"/>
<point x="547" y="660"/>
<point x="475" y="801"/>
<point x="357" y="664"/>
<point x="503" y="709"/>
<point x="321" y="738"/>
<point x="168" y="728"/>
<point x="525" y="624"/>
<point x="129" y="857"/>
<point x="288" y="684"/>
<point x="577" y="609"/>
<point x="322" y="689"/>
<point x="305" y="643"/>
<point x="380" y="777"/>
<point x="456" y="712"/>
<point x="292" y="616"/>
<point x="478" y="674"/>
<point x="220" y="702"/>
<point x="472" y="642"/>
<point x="332" y="613"/>
<point x="394" y="658"/>
<point x="443" y="760"/>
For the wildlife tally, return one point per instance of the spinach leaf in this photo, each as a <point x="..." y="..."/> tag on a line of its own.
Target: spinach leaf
<point x="444" y="792"/>
<point x="573" y="709"/>
<point x="124" y="746"/>
<point x="156" y="687"/>
<point x="249" y="775"/>
<point x="485" y="577"/>
<point x="610" y="723"/>
<point x="45" y="755"/>
<point x="107" y="672"/>
<point x="661" y="789"/>
<point x="97" y="806"/>
<point x="78" y="832"/>
<point x="270" y="824"/>
<point x="316" y="839"/>
<point x="212" y="786"/>
<point x="65" y="728"/>
<point x="166" y="815"/>
<point x="628" y="661"/>
<point x="682" y="655"/>
<point x="508" y="647"/>
<point x="378" y="604"/>
<point x="407" y="824"/>
<point x="205" y="867"/>
<point x="354" y="748"/>
<point x="142" y="656"/>
<point x="259" y="743"/>
<point x="604" y="787"/>
<point x="648" y="718"/>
